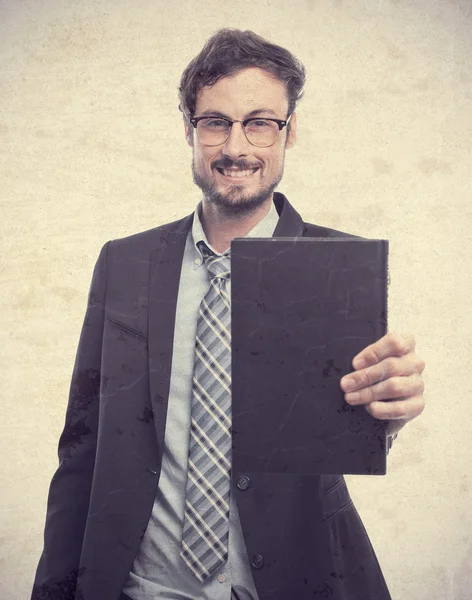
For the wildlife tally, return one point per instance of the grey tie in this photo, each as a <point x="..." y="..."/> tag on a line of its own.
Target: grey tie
<point x="205" y="529"/>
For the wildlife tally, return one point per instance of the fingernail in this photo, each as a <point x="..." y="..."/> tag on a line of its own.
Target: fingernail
<point x="353" y="397"/>
<point x="359" y="363"/>
<point x="348" y="384"/>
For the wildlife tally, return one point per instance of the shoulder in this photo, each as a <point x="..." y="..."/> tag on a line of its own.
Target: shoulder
<point x="311" y="230"/>
<point x="145" y="241"/>
<point x="292" y="223"/>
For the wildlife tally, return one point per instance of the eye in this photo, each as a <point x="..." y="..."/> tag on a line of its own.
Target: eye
<point x="259" y="124"/>
<point x="213" y="123"/>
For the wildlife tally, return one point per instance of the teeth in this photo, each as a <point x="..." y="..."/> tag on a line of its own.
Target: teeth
<point x="237" y="173"/>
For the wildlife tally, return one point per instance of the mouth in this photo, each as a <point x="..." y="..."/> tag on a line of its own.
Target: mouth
<point x="237" y="174"/>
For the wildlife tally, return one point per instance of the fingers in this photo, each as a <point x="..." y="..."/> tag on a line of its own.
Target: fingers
<point x="393" y="387"/>
<point x="389" y="367"/>
<point x="392" y="344"/>
<point x="387" y="380"/>
<point x="403" y="410"/>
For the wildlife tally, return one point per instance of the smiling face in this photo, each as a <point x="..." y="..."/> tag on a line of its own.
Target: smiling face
<point x="236" y="175"/>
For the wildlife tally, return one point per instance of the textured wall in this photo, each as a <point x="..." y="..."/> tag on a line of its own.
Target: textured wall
<point x="92" y="148"/>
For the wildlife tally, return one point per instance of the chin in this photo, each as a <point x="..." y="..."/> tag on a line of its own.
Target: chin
<point x="235" y="200"/>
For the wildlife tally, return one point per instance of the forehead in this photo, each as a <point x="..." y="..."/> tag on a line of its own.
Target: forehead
<point x="243" y="92"/>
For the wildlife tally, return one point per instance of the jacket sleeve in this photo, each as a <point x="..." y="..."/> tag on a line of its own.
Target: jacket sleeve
<point x="69" y="492"/>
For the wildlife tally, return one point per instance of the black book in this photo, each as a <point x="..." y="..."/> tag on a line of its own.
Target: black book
<point x="302" y="308"/>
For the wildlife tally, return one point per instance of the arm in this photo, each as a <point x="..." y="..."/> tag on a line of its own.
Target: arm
<point x="69" y="491"/>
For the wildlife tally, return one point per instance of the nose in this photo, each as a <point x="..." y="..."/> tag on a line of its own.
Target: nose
<point x="237" y="144"/>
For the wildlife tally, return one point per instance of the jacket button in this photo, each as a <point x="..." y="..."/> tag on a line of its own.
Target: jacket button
<point x="243" y="482"/>
<point x="257" y="561"/>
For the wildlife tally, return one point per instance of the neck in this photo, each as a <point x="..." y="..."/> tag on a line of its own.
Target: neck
<point x="220" y="228"/>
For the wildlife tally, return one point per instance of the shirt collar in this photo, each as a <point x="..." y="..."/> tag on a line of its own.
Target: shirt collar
<point x="265" y="227"/>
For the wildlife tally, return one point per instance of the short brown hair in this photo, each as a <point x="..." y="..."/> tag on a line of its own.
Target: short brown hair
<point x="230" y="50"/>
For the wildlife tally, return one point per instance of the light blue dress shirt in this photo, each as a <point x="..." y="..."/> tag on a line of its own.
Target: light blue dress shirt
<point x="158" y="572"/>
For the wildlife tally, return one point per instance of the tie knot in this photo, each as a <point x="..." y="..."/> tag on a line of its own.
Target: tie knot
<point x="218" y="266"/>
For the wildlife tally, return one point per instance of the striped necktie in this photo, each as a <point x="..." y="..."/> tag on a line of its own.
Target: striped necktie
<point x="205" y="529"/>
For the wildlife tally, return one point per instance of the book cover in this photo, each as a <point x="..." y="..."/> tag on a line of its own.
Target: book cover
<point x="302" y="308"/>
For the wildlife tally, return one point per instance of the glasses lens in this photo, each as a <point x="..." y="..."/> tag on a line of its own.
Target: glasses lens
<point x="213" y="131"/>
<point x="262" y="132"/>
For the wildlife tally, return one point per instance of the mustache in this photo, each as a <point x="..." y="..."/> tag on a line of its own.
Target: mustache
<point x="227" y="163"/>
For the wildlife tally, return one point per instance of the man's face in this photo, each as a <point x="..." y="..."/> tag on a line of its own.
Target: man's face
<point x="257" y="170"/>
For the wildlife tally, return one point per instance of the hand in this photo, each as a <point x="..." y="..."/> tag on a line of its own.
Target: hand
<point x="387" y="380"/>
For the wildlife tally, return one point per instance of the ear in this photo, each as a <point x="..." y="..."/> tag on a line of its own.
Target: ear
<point x="292" y="134"/>
<point x="188" y="132"/>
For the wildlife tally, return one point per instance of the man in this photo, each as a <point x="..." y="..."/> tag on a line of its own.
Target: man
<point x="144" y="504"/>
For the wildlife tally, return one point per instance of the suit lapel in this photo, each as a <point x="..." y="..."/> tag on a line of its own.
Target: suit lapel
<point x="290" y="223"/>
<point x="165" y="268"/>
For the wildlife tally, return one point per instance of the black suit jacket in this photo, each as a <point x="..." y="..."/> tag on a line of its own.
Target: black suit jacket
<point x="304" y="537"/>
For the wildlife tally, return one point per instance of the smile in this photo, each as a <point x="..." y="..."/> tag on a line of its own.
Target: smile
<point x="236" y="173"/>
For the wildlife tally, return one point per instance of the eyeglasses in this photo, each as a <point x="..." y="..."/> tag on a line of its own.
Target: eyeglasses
<point x="214" y="131"/>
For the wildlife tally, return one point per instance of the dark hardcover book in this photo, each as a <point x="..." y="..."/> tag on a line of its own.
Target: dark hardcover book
<point x="302" y="308"/>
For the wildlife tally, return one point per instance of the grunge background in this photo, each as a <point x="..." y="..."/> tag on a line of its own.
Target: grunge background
<point x="92" y="148"/>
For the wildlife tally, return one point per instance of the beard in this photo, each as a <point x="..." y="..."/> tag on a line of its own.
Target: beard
<point x="234" y="201"/>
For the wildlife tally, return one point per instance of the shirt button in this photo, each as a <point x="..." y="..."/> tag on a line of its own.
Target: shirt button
<point x="198" y="261"/>
<point x="257" y="561"/>
<point x="243" y="482"/>
<point x="221" y="578"/>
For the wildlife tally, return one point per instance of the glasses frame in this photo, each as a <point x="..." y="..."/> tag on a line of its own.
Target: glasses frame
<point x="280" y="122"/>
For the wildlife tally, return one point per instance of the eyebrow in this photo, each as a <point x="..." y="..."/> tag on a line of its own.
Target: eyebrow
<point x="217" y="113"/>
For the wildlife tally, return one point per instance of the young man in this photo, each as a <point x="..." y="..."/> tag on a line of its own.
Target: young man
<point x="145" y="504"/>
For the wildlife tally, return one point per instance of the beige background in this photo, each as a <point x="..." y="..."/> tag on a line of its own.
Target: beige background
<point x="92" y="148"/>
